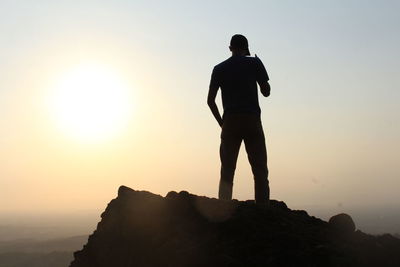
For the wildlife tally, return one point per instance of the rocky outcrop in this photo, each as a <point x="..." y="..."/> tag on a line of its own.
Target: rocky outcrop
<point x="343" y="223"/>
<point x="139" y="228"/>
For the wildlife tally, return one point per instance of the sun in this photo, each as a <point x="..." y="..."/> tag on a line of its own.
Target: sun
<point x="91" y="103"/>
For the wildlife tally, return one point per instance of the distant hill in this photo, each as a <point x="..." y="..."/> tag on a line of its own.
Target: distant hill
<point x="33" y="246"/>
<point x="20" y="259"/>
<point x="139" y="228"/>
<point x="33" y="253"/>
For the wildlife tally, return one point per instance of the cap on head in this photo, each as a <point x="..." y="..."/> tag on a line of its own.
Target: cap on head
<point x="238" y="41"/>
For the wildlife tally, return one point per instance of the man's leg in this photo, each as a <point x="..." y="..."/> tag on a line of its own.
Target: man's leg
<point x="229" y="149"/>
<point x="257" y="155"/>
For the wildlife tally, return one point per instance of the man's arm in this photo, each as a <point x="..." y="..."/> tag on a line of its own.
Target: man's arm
<point x="265" y="88"/>
<point x="262" y="77"/>
<point x="212" y="94"/>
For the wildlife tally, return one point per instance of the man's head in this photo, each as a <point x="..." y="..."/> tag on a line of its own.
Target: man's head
<point x="239" y="45"/>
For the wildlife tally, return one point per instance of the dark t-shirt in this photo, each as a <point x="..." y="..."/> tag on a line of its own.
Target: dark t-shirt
<point x="238" y="76"/>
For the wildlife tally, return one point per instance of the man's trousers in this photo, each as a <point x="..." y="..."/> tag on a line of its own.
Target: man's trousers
<point x="246" y="127"/>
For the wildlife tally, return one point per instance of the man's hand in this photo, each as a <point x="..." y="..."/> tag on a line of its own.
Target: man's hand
<point x="212" y="93"/>
<point x="265" y="88"/>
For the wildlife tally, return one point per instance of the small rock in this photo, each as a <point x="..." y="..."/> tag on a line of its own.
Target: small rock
<point x="343" y="223"/>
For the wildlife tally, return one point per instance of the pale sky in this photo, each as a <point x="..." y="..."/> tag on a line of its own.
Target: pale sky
<point x="332" y="121"/>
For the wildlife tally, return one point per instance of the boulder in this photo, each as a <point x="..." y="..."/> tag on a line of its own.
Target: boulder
<point x="343" y="223"/>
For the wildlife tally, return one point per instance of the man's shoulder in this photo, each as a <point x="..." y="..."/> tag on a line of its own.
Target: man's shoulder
<point x="253" y="60"/>
<point x="232" y="60"/>
<point x="222" y="64"/>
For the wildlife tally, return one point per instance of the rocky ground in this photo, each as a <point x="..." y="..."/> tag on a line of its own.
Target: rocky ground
<point x="139" y="228"/>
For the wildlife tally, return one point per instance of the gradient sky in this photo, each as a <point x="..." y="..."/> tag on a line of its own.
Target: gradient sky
<point x="332" y="121"/>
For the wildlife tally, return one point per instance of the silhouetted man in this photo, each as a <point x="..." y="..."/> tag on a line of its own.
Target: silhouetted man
<point x="238" y="77"/>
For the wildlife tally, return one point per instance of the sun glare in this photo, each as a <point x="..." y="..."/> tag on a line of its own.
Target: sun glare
<point x="91" y="103"/>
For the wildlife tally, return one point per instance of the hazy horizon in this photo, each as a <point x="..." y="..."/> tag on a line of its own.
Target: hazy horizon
<point x="332" y="121"/>
<point x="49" y="225"/>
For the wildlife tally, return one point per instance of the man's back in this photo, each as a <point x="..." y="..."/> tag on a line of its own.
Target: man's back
<point x="237" y="77"/>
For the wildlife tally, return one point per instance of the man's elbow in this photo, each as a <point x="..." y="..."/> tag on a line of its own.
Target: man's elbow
<point x="265" y="89"/>
<point x="210" y="102"/>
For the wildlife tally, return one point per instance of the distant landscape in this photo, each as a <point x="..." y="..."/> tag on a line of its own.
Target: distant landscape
<point x="43" y="241"/>
<point x="33" y="253"/>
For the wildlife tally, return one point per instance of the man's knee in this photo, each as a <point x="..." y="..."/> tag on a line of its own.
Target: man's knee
<point x="227" y="173"/>
<point x="228" y="166"/>
<point x="260" y="170"/>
